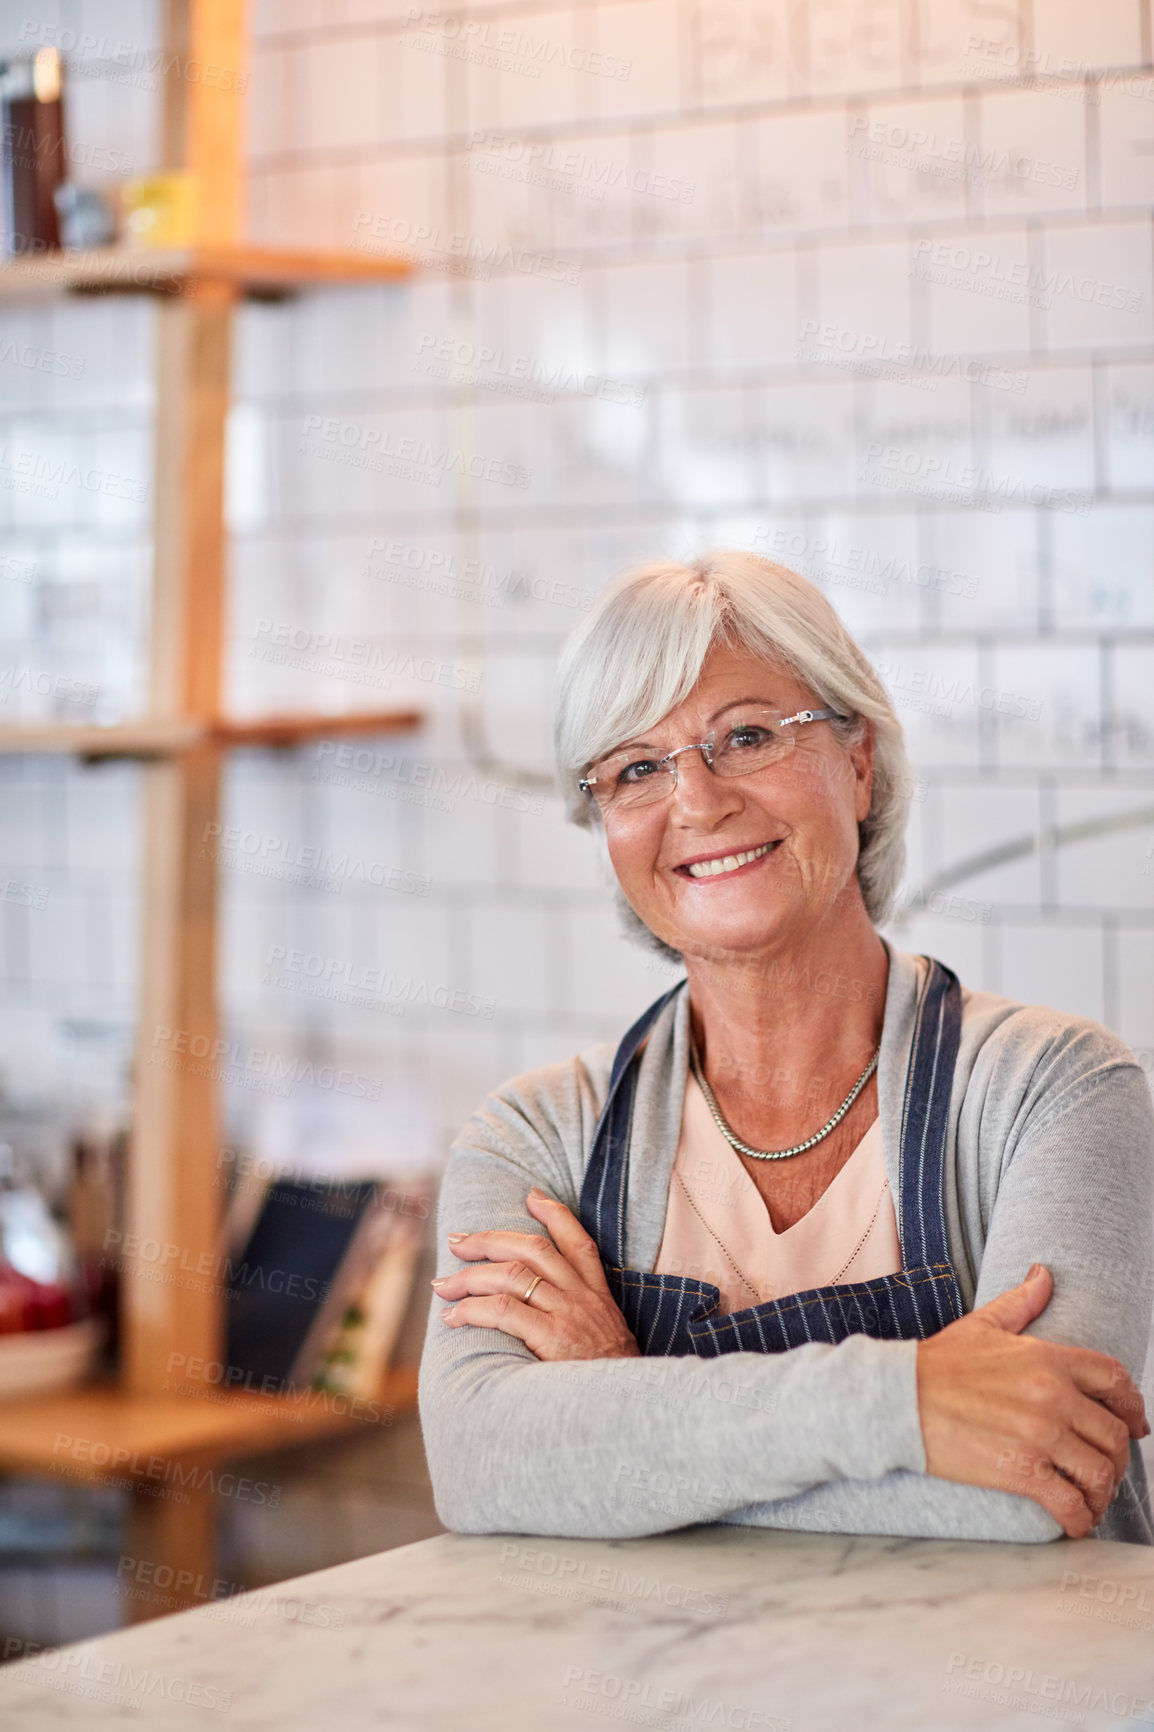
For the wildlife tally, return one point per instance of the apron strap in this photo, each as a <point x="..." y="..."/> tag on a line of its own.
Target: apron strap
<point x="601" y="1210"/>
<point x="926" y="1118"/>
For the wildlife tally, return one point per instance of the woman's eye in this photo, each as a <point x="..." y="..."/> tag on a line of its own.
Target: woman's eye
<point x="742" y="739"/>
<point x="638" y="771"/>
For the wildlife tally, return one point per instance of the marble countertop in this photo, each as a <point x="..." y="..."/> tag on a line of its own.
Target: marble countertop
<point x="728" y="1628"/>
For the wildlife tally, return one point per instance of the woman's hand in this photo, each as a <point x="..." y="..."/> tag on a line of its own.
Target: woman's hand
<point x="570" y="1314"/>
<point x="1008" y="1411"/>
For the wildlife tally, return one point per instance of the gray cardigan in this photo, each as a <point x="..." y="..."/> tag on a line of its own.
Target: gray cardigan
<point x="1050" y="1158"/>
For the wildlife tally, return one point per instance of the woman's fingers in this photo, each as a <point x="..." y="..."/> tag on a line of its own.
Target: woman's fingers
<point x="484" y="1279"/>
<point x="533" y="1251"/>
<point x="502" y="1311"/>
<point x="1065" y="1502"/>
<point x="568" y="1256"/>
<point x="1046" y="1421"/>
<point x="578" y="1248"/>
<point x="1087" y="1468"/>
<point x="1103" y="1431"/>
<point x="1108" y="1382"/>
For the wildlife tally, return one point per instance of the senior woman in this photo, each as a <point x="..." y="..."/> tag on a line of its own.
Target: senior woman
<point x="829" y="1242"/>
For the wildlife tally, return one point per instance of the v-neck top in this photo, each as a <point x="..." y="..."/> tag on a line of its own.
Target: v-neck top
<point x="718" y="1229"/>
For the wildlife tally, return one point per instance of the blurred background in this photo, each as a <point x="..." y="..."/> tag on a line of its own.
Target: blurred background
<point x="864" y="286"/>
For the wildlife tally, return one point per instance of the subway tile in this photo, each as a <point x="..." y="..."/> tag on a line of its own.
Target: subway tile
<point x="501" y="199"/>
<point x="796" y="177"/>
<point x="954" y="42"/>
<point x="863" y="290"/>
<point x="401" y="207"/>
<point x="935" y="689"/>
<point x="914" y="444"/>
<point x="1078" y="40"/>
<point x="1125" y="103"/>
<point x="1097" y="285"/>
<point x="803" y="441"/>
<point x="541" y="85"/>
<point x="865" y="563"/>
<point x="1042" y="437"/>
<point x="704" y="449"/>
<point x="958" y="942"/>
<point x="846" y="53"/>
<point x="552" y="854"/>
<point x="1136" y="992"/>
<point x="1030" y="155"/>
<point x="460" y="848"/>
<point x="1120" y="858"/>
<point x="301" y="208"/>
<point x="1130" y="428"/>
<point x="612" y="976"/>
<point x="594" y="186"/>
<point x="639" y="69"/>
<point x="1060" y="967"/>
<point x="333" y="94"/>
<point x="269" y="109"/>
<point x="646" y="313"/>
<point x="416" y="100"/>
<point x="915" y="158"/>
<point x="510" y="958"/>
<point x="975" y="821"/>
<point x="1101" y="568"/>
<point x="1133" y="706"/>
<point x="974" y="291"/>
<point x="983" y="569"/>
<point x="518" y="712"/>
<point x="742" y="52"/>
<point x="754" y="320"/>
<point x="686" y="182"/>
<point x="1047" y="709"/>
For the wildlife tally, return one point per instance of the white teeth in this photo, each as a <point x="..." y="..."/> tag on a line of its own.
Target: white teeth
<point x="730" y="863"/>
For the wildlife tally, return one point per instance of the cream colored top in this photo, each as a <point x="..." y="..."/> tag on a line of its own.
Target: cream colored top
<point x="717" y="1227"/>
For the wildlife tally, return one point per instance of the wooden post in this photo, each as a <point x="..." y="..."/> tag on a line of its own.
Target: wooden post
<point x="172" y="1304"/>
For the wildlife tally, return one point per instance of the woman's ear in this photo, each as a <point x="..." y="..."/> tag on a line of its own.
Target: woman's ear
<point x="861" y="754"/>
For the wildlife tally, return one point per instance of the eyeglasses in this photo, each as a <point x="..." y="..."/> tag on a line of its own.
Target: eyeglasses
<point x="761" y="737"/>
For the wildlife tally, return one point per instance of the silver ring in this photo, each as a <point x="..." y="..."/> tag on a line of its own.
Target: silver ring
<point x="529" y="1293"/>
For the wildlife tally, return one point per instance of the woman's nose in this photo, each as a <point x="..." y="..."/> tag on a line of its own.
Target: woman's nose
<point x="702" y="794"/>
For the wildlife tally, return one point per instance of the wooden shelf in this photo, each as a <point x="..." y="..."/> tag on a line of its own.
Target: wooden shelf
<point x="60" y="1435"/>
<point x="256" y="271"/>
<point x="162" y="737"/>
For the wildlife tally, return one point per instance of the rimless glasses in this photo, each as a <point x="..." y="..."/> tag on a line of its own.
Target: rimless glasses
<point x="760" y="738"/>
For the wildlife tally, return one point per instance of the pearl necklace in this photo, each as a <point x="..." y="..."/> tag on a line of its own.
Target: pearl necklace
<point x="798" y="1148"/>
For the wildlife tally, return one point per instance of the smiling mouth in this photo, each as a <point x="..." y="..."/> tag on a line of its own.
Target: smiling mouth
<point x="718" y="867"/>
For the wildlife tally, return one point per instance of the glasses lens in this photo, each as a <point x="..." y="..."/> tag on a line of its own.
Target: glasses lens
<point x="627" y="779"/>
<point x="750" y="742"/>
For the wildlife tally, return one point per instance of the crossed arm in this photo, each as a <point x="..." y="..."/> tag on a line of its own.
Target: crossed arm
<point x="541" y="1417"/>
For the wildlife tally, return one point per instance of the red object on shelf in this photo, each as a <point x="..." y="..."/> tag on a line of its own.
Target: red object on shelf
<point x="15" y="1301"/>
<point x="26" y="1305"/>
<point x="49" y="1306"/>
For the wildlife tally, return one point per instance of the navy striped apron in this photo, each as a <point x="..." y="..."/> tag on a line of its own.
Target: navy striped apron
<point x="674" y="1314"/>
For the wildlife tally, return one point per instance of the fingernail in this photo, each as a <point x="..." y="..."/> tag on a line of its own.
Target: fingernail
<point x="448" y="1311"/>
<point x="454" y="1237"/>
<point x="438" y="1281"/>
<point x="536" y="1191"/>
<point x="1034" y="1269"/>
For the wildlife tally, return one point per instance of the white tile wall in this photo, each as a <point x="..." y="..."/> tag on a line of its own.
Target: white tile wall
<point x="685" y="279"/>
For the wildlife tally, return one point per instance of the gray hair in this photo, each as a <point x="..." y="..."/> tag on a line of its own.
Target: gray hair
<point x="640" y="650"/>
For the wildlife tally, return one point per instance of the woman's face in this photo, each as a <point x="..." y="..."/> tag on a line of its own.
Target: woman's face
<point x="801" y="813"/>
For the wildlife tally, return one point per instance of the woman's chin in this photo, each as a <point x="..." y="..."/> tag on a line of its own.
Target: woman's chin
<point x="741" y="934"/>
